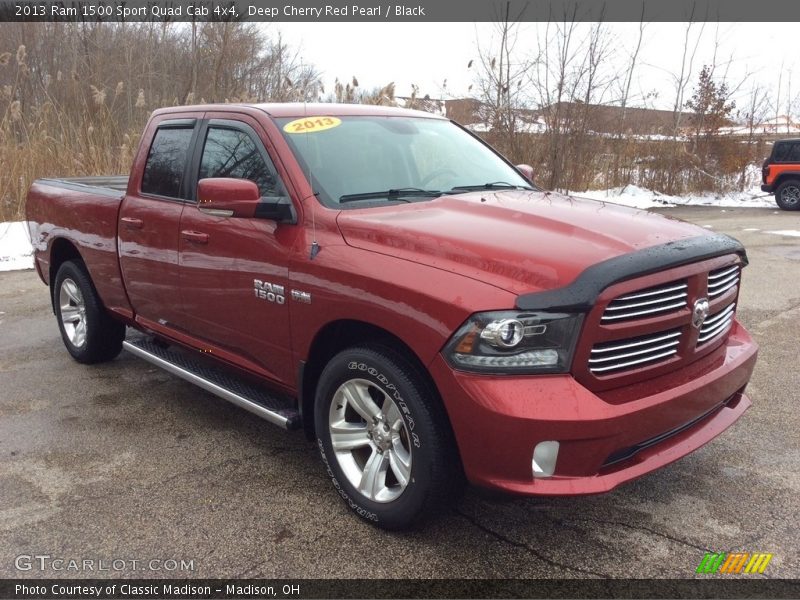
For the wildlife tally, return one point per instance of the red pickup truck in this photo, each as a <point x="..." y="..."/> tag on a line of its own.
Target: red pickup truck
<point x="386" y="281"/>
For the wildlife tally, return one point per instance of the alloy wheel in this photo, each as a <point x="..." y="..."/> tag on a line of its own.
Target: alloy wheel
<point x="370" y="440"/>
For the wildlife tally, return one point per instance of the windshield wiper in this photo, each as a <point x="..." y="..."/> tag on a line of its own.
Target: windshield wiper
<point x="392" y="194"/>
<point x="495" y="185"/>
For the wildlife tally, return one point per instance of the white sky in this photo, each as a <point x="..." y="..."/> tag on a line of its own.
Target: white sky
<point x="427" y="54"/>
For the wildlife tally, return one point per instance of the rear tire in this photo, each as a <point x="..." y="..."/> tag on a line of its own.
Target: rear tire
<point x="395" y="461"/>
<point x="89" y="333"/>
<point x="787" y="195"/>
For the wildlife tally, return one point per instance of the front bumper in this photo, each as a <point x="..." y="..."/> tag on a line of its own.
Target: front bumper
<point x="765" y="187"/>
<point x="606" y="438"/>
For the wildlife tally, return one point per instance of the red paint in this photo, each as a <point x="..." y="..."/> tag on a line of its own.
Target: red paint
<point x="419" y="271"/>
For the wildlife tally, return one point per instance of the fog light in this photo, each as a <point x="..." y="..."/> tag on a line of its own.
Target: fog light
<point x="544" y="459"/>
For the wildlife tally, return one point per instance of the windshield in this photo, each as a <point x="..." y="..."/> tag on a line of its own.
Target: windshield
<point x="389" y="159"/>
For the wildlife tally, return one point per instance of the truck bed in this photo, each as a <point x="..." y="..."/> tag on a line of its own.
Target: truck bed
<point x="83" y="211"/>
<point x="108" y="185"/>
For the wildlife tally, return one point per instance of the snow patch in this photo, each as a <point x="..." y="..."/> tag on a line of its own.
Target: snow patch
<point x="16" y="251"/>
<point x="789" y="232"/>
<point x="639" y="197"/>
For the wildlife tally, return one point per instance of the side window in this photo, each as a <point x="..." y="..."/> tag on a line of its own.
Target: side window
<point x="794" y="153"/>
<point x="233" y="153"/>
<point x="166" y="162"/>
<point x="781" y="152"/>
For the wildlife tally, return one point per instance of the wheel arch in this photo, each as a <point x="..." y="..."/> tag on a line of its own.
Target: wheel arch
<point x="61" y="250"/>
<point x="334" y="337"/>
<point x="782" y="177"/>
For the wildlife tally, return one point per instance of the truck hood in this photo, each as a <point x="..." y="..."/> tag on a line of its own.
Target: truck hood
<point x="519" y="241"/>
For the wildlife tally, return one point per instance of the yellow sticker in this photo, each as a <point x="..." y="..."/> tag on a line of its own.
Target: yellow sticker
<point x="311" y="124"/>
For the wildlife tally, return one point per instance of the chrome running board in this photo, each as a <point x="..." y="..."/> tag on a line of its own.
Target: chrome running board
<point x="271" y="407"/>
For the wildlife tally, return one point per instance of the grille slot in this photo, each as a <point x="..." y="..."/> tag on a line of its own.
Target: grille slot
<point x="644" y="303"/>
<point x="609" y="357"/>
<point x="721" y="280"/>
<point x="717" y="324"/>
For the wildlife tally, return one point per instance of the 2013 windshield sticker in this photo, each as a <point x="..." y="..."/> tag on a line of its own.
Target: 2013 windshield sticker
<point x="311" y="124"/>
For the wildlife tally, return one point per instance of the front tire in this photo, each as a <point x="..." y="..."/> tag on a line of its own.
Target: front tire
<point x="788" y="195"/>
<point x="89" y="333"/>
<point x="384" y="438"/>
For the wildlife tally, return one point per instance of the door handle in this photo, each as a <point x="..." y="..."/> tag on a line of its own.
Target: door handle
<point x="132" y="223"/>
<point x="196" y="237"/>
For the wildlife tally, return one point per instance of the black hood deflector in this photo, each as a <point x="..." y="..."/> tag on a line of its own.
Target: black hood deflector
<point x="581" y="294"/>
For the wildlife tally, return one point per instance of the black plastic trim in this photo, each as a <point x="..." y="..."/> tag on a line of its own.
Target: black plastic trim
<point x="783" y="176"/>
<point x="629" y="452"/>
<point x="581" y="294"/>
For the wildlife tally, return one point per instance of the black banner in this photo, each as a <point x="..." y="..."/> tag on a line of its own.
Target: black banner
<point x="144" y="589"/>
<point x="410" y="10"/>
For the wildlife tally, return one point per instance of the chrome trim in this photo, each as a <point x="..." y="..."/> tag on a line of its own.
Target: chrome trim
<point x="721" y="314"/>
<point x="723" y="273"/>
<point x="209" y="386"/>
<point x="646" y="302"/>
<point x="642" y="312"/>
<point x="717" y="324"/>
<point x="640" y="343"/>
<point x="216" y="212"/>
<point x="715" y="331"/>
<point x="723" y="280"/>
<point x="681" y="286"/>
<point x="635" y="362"/>
<point x="671" y="344"/>
<point x="650" y="301"/>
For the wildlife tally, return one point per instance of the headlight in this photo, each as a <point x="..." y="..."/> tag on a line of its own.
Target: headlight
<point x="515" y="342"/>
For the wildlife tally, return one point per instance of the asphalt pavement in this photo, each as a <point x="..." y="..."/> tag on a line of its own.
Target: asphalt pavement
<point x="123" y="461"/>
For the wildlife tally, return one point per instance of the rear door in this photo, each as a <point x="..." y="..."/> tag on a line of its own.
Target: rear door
<point x="234" y="271"/>
<point x="150" y="218"/>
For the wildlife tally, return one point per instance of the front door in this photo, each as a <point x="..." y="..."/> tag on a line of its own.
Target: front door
<point x="234" y="271"/>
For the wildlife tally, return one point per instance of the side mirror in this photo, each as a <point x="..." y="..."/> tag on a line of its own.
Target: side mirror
<point x="228" y="197"/>
<point x="527" y="172"/>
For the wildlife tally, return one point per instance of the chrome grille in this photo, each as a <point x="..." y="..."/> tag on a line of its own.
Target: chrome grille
<point x="717" y="324"/>
<point x="721" y="280"/>
<point x="634" y="352"/>
<point x="648" y="302"/>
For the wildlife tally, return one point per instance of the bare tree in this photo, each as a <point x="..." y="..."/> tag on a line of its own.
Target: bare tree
<point x="500" y="77"/>
<point x="754" y="114"/>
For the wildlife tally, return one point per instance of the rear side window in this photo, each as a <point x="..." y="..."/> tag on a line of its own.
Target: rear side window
<point x="166" y="162"/>
<point x="786" y="152"/>
<point x="233" y="153"/>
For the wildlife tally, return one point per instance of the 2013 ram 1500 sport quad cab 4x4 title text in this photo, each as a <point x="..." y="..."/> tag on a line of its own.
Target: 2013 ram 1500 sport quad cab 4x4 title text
<point x="386" y="281"/>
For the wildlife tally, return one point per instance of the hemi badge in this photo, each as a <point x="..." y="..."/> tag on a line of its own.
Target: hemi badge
<point x="303" y="297"/>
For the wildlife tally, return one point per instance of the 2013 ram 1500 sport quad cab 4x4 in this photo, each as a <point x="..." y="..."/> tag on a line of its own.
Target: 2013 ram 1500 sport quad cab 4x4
<point x="386" y="281"/>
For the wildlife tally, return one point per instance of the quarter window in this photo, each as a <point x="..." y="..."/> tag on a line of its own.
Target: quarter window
<point x="786" y="152"/>
<point x="166" y="162"/>
<point x="233" y="153"/>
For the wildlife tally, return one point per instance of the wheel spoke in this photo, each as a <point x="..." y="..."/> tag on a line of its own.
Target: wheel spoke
<point x="70" y="314"/>
<point x="392" y="414"/>
<point x="348" y="436"/>
<point x="80" y="333"/>
<point x="73" y="292"/>
<point x="358" y="397"/>
<point x="373" y="479"/>
<point x="400" y="462"/>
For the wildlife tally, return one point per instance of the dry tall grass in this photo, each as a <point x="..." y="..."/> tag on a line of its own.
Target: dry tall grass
<point x="44" y="140"/>
<point x="74" y="97"/>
